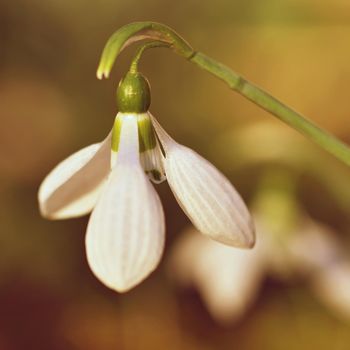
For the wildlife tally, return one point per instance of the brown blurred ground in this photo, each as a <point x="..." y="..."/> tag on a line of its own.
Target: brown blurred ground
<point x="51" y="104"/>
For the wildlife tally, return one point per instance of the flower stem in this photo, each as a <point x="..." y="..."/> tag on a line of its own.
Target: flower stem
<point x="149" y="45"/>
<point x="261" y="98"/>
<point x="158" y="32"/>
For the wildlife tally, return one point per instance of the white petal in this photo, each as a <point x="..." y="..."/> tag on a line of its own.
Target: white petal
<point x="314" y="246"/>
<point x="151" y="156"/>
<point x="228" y="279"/>
<point x="206" y="195"/>
<point x="125" y="235"/>
<point x="153" y="163"/>
<point x="332" y="286"/>
<point x="73" y="186"/>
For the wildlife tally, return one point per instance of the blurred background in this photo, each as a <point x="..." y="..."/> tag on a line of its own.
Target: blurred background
<point x="51" y="104"/>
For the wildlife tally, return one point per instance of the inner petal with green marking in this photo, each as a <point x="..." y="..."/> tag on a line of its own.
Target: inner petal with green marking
<point x="151" y="156"/>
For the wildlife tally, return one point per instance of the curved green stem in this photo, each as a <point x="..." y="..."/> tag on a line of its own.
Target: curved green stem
<point x="261" y="98"/>
<point x="149" y="45"/>
<point x="134" y="32"/>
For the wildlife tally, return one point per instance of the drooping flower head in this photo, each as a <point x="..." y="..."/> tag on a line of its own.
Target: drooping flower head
<point x="125" y="233"/>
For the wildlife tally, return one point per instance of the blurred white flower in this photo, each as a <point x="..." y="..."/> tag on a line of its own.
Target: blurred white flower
<point x="125" y="234"/>
<point x="332" y="286"/>
<point x="229" y="280"/>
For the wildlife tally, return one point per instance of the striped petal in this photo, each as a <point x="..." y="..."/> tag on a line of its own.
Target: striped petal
<point x="205" y="194"/>
<point x="125" y="235"/>
<point x="152" y="162"/>
<point x="73" y="186"/>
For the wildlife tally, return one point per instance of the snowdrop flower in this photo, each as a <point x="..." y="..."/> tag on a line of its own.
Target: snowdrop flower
<point x="125" y="233"/>
<point x="229" y="280"/>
